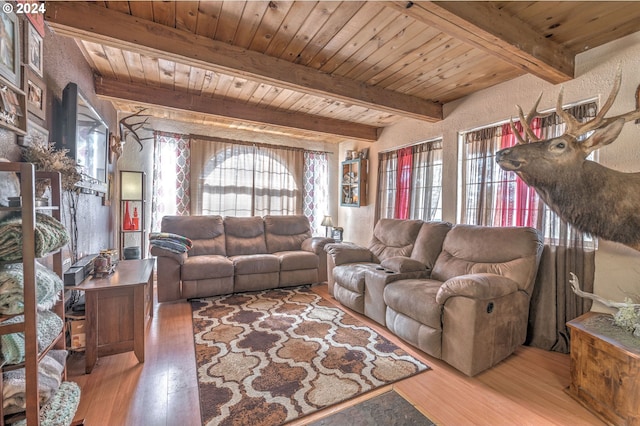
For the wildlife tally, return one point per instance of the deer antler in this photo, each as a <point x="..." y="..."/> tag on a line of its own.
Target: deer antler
<point x="526" y="123"/>
<point x="575" y="128"/>
<point x="133" y="128"/>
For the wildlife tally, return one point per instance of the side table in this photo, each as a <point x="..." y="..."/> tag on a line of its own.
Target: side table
<point x="605" y="369"/>
<point x="117" y="308"/>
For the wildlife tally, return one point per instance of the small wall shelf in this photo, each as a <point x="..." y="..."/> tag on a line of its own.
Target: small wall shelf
<point x="353" y="185"/>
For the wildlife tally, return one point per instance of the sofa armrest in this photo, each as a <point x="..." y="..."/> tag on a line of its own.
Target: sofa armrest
<point x="403" y="264"/>
<point x="316" y="244"/>
<point x="178" y="257"/>
<point x="348" y="253"/>
<point x="480" y="286"/>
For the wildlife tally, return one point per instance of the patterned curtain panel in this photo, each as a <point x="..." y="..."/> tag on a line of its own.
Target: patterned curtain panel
<point x="232" y="178"/>
<point x="316" y="189"/>
<point x="410" y="182"/>
<point x="171" y="177"/>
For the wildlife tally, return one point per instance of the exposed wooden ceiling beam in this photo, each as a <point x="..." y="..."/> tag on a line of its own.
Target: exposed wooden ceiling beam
<point x="484" y="26"/>
<point x="138" y="35"/>
<point x="167" y="98"/>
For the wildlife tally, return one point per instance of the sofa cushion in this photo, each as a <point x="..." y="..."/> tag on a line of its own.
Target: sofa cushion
<point x="286" y="233"/>
<point x="393" y="237"/>
<point x="351" y="276"/>
<point x="255" y="264"/>
<point x="244" y="235"/>
<point x="206" y="266"/>
<point x="428" y="244"/>
<point x="416" y="299"/>
<point x="295" y="260"/>
<point x="206" y="232"/>
<point x="403" y="264"/>
<point x="506" y="251"/>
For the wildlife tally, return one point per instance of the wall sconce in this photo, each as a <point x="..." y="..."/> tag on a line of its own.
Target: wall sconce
<point x="327" y="222"/>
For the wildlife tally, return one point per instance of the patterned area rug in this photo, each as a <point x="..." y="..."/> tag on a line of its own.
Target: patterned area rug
<point x="270" y="357"/>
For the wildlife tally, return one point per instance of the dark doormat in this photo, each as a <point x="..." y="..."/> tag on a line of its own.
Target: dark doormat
<point x="388" y="409"/>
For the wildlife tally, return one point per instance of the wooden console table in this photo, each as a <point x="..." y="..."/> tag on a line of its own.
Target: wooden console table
<point x="605" y="369"/>
<point x="117" y="307"/>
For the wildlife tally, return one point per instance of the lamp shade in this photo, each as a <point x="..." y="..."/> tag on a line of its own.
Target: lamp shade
<point x="327" y="221"/>
<point x="131" y="185"/>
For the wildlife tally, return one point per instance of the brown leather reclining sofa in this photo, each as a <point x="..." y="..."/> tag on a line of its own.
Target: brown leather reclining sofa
<point x="459" y="293"/>
<point x="235" y="254"/>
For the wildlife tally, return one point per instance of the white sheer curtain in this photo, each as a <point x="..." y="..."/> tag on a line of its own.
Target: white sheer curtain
<point x="232" y="178"/>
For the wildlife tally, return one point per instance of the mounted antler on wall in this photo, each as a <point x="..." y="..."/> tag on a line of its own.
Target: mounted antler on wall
<point x="595" y="199"/>
<point x="132" y="128"/>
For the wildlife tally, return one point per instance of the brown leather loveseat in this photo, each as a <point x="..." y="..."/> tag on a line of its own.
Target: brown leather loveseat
<point x="459" y="293"/>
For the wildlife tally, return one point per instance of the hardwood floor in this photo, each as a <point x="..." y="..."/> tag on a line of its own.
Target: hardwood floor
<point x="525" y="389"/>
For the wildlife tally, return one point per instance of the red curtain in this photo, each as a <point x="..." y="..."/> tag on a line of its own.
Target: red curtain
<point x="518" y="204"/>
<point x="403" y="194"/>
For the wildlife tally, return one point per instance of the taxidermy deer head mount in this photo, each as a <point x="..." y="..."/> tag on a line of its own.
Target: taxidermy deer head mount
<point x="129" y="127"/>
<point x="593" y="198"/>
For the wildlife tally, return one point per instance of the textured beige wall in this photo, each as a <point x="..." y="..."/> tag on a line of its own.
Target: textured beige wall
<point x="617" y="267"/>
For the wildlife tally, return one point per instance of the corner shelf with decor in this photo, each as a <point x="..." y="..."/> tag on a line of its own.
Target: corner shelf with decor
<point x="40" y="337"/>
<point x="132" y="205"/>
<point x="353" y="185"/>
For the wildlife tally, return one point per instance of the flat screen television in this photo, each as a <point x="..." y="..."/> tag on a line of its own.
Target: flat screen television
<point x="85" y="134"/>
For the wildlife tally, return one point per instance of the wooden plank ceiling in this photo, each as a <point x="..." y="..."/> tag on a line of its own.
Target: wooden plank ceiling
<point x="325" y="70"/>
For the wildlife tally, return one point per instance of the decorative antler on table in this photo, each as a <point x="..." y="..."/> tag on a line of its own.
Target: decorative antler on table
<point x="628" y="314"/>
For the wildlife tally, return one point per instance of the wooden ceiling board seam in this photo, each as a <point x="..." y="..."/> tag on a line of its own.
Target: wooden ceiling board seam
<point x="261" y="91"/>
<point x="291" y="24"/>
<point x="447" y="53"/>
<point x="151" y="70"/>
<point x="208" y="17"/>
<point x="142" y="9"/>
<point x="270" y="25"/>
<point x="167" y="71"/>
<point x="187" y="15"/>
<point x="313" y="24"/>
<point x="236" y="87"/>
<point x="118" y="63"/>
<point x="119" y="6"/>
<point x="164" y="12"/>
<point x="362" y="17"/>
<point x="181" y="76"/>
<point x="362" y="36"/>
<point x="210" y="82"/>
<point x="96" y="58"/>
<point x="222" y="87"/>
<point x="285" y="98"/>
<point x="387" y="40"/>
<point x="252" y="16"/>
<point x="387" y="74"/>
<point x="396" y="50"/>
<point x="196" y="80"/>
<point x="134" y="66"/>
<point x="330" y="28"/>
<point x="229" y="21"/>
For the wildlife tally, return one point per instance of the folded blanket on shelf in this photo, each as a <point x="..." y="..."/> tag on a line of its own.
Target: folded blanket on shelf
<point x="61" y="408"/>
<point x="49" y="379"/>
<point x="172" y="242"/>
<point x="12" y="345"/>
<point x="48" y="288"/>
<point x="50" y="235"/>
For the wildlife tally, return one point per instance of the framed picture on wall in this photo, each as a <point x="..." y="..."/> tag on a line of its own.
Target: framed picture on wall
<point x="36" y="134"/>
<point x="9" y="47"/>
<point x="36" y="95"/>
<point x="34" y="47"/>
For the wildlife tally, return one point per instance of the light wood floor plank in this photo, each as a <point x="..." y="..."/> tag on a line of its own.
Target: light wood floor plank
<point x="525" y="389"/>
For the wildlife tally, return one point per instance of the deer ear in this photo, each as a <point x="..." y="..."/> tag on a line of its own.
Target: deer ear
<point x="603" y="136"/>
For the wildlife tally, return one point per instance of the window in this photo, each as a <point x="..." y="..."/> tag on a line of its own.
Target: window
<point x="493" y="197"/>
<point x="410" y="182"/>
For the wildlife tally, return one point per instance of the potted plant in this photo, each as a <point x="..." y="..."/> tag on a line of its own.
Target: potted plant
<point x="46" y="157"/>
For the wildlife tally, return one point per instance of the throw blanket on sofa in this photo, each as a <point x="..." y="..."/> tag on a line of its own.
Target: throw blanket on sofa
<point x="48" y="288"/>
<point x="50" y="371"/>
<point x="49" y="327"/>
<point x="50" y="235"/>
<point x="172" y="242"/>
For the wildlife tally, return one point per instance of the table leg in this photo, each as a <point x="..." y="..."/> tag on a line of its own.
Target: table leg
<point x="138" y="321"/>
<point x="91" y="329"/>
